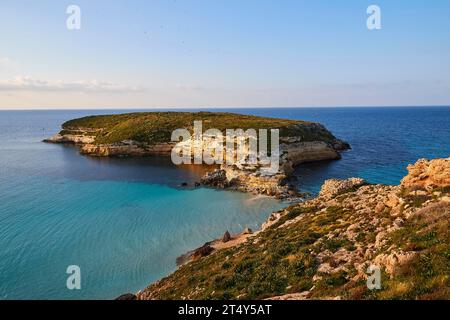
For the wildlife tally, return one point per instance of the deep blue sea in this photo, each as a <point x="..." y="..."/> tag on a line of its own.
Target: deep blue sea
<point x="124" y="221"/>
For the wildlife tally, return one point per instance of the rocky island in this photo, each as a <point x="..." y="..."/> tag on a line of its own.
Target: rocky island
<point x="323" y="248"/>
<point x="149" y="133"/>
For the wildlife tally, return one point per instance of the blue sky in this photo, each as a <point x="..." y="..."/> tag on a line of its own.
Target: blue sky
<point x="224" y="53"/>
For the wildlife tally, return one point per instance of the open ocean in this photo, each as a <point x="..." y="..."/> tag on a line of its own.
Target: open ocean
<point x="124" y="221"/>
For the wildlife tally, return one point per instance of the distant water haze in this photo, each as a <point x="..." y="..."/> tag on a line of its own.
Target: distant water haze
<point x="124" y="221"/>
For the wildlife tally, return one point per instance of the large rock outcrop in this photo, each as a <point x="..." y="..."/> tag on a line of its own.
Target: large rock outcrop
<point x="428" y="174"/>
<point x="292" y="153"/>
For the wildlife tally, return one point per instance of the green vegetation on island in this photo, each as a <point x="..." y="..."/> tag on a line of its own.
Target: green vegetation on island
<point x="156" y="127"/>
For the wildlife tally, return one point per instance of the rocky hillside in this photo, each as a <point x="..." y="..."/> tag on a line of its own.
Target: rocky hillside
<point x="149" y="133"/>
<point x="322" y="248"/>
<point x="145" y="129"/>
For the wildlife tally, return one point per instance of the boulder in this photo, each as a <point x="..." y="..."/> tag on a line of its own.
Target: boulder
<point x="425" y="173"/>
<point x="127" y="296"/>
<point x="334" y="187"/>
<point x="203" y="251"/>
<point x="394" y="262"/>
<point x="226" y="237"/>
<point x="340" y="145"/>
<point x="217" y="178"/>
<point x="392" y="201"/>
<point x="379" y="207"/>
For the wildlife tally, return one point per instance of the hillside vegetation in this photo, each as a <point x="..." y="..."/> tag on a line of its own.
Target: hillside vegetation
<point x="321" y="249"/>
<point x="155" y="127"/>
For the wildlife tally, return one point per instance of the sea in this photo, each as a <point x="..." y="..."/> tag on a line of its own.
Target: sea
<point x="124" y="221"/>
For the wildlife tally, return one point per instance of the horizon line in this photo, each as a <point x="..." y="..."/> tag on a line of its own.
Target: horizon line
<point x="224" y="107"/>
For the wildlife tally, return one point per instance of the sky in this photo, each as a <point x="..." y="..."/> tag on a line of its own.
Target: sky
<point x="223" y="53"/>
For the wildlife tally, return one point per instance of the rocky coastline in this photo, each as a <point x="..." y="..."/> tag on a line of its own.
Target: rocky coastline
<point x="322" y="248"/>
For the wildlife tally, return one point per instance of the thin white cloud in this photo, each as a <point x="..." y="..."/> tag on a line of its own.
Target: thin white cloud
<point x="6" y="62"/>
<point x="26" y="83"/>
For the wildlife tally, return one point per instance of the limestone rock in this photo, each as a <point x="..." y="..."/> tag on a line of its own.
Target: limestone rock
<point x="71" y="138"/>
<point x="217" y="178"/>
<point x="293" y="296"/>
<point x="392" y="201"/>
<point x="380" y="207"/>
<point x="394" y="262"/>
<point x="325" y="268"/>
<point x="126" y="149"/>
<point x="334" y="187"/>
<point x="425" y="173"/>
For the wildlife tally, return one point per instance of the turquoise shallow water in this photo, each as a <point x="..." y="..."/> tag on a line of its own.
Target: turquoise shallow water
<point x="122" y="235"/>
<point x="124" y="221"/>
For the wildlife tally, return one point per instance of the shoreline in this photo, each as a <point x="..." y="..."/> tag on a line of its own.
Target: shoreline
<point x="423" y="194"/>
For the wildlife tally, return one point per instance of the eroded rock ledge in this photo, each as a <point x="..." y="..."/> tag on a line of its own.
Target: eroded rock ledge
<point x="322" y="248"/>
<point x="292" y="153"/>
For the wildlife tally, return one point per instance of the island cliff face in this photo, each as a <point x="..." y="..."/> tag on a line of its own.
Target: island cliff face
<point x="148" y="134"/>
<point x="323" y="248"/>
